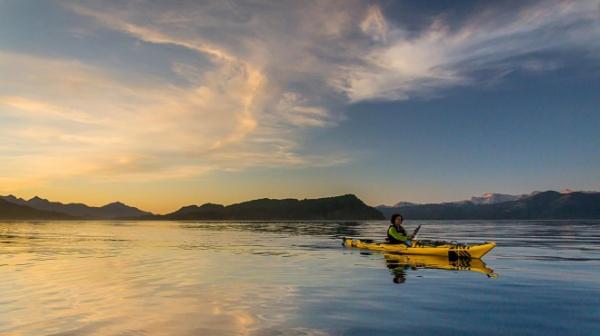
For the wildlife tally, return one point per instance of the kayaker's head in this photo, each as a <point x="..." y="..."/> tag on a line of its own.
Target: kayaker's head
<point x="397" y="219"/>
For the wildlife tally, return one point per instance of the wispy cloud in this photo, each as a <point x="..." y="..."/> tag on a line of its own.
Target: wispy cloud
<point x="266" y="74"/>
<point x="91" y="123"/>
<point x="351" y="48"/>
<point x="410" y="65"/>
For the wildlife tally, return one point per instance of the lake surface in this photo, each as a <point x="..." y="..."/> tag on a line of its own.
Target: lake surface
<point x="215" y="278"/>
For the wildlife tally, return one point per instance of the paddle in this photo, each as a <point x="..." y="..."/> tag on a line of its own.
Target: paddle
<point x="414" y="234"/>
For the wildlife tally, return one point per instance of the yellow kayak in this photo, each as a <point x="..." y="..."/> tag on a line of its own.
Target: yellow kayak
<point x="438" y="262"/>
<point x="448" y="250"/>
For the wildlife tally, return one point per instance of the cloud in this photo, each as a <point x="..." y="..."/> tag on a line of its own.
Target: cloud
<point x="440" y="56"/>
<point x="351" y="51"/>
<point x="92" y="123"/>
<point x="374" y="24"/>
<point x="406" y="65"/>
<point x="251" y="79"/>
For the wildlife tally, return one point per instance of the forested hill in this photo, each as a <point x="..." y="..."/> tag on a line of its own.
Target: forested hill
<point x="345" y="207"/>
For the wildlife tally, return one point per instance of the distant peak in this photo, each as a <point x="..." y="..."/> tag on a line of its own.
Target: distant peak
<point x="37" y="198"/>
<point x="209" y="205"/>
<point x="189" y="207"/>
<point x="116" y="204"/>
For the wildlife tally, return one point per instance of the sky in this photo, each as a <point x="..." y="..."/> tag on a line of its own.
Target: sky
<point x="161" y="104"/>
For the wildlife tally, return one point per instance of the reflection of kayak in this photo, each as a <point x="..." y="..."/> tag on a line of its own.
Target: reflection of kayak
<point x="447" y="250"/>
<point x="438" y="262"/>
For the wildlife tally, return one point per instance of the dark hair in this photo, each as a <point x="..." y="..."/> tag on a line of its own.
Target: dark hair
<point x="394" y="216"/>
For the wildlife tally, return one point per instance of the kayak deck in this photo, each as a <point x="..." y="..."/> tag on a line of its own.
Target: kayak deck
<point x="449" y="250"/>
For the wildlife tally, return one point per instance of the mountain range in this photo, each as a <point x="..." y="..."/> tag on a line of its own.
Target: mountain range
<point x="345" y="207"/>
<point x="537" y="205"/>
<point x="113" y="210"/>
<point x="10" y="210"/>
<point x="487" y="198"/>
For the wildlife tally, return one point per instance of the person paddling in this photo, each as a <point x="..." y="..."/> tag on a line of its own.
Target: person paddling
<point x="396" y="233"/>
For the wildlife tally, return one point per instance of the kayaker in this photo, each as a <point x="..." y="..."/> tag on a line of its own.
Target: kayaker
<point x="396" y="233"/>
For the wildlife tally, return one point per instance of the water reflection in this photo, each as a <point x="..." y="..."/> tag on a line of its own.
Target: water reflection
<point x="399" y="264"/>
<point x="291" y="278"/>
<point x="312" y="228"/>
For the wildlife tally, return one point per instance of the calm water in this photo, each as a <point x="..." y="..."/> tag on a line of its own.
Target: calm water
<point x="202" y="278"/>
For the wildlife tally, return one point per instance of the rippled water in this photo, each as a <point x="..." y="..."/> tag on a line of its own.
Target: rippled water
<point x="214" y="278"/>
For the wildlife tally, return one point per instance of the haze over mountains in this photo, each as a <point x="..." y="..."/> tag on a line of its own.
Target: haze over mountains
<point x="537" y="205"/>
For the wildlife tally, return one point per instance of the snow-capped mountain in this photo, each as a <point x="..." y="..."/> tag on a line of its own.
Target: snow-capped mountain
<point x="493" y="198"/>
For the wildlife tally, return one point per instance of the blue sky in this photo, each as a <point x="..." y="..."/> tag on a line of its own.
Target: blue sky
<point x="161" y="104"/>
